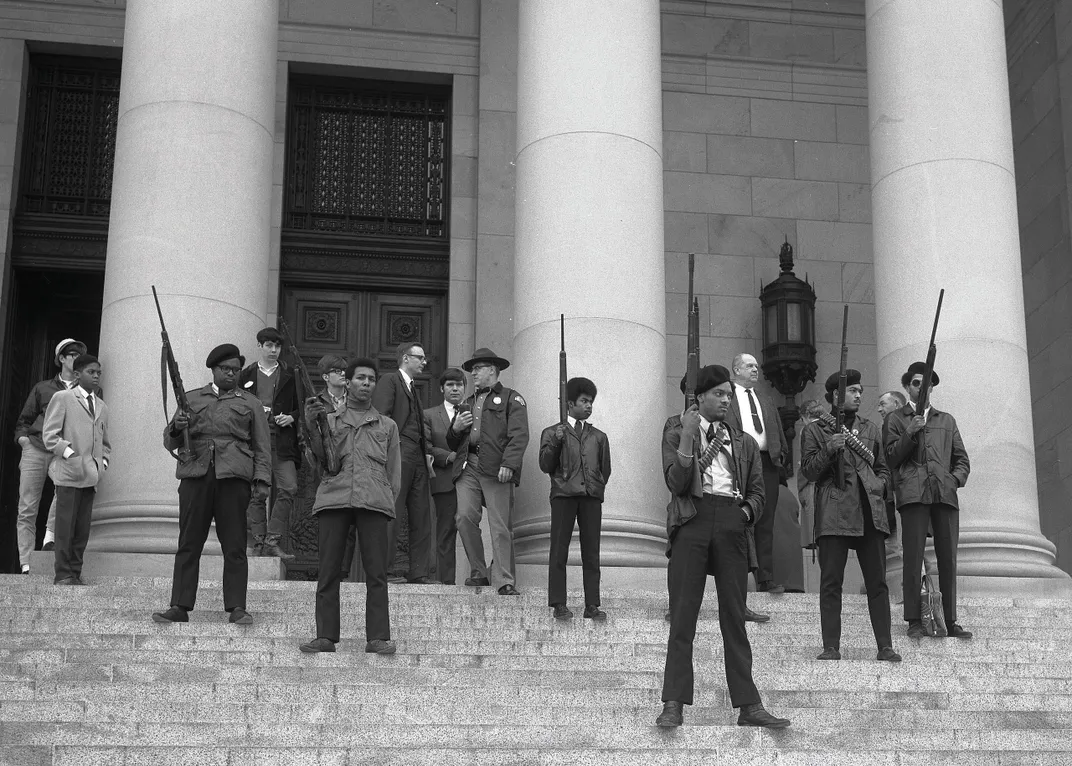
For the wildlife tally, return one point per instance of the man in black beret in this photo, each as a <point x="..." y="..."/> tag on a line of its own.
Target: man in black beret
<point x="850" y="512"/>
<point x="715" y="479"/>
<point x="230" y="450"/>
<point x="926" y="491"/>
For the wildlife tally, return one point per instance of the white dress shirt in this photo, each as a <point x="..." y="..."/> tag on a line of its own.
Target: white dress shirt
<point x="746" y="415"/>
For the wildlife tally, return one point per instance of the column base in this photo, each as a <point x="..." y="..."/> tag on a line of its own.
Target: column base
<point x="623" y="543"/>
<point x="993" y="553"/>
<point x="139" y="528"/>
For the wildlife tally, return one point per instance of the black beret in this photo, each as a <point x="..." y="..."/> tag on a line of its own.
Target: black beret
<point x="920" y="368"/>
<point x="852" y="377"/>
<point x="222" y="353"/>
<point x="710" y="376"/>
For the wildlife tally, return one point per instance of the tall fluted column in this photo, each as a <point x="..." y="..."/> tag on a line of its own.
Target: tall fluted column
<point x="589" y="244"/>
<point x="190" y="214"/>
<point x="944" y="215"/>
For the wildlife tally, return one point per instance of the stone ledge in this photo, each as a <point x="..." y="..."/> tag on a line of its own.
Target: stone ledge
<point x="98" y="565"/>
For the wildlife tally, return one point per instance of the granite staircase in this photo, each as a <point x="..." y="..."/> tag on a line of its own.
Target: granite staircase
<point x="87" y="678"/>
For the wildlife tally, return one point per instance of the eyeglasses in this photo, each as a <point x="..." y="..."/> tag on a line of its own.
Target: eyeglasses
<point x="337" y="371"/>
<point x="417" y="356"/>
<point x="231" y="371"/>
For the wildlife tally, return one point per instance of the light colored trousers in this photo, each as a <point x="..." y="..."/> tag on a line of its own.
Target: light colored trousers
<point x="475" y="489"/>
<point x="33" y="470"/>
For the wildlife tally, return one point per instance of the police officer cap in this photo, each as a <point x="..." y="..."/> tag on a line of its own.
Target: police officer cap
<point x="222" y="353"/>
<point x="920" y="368"/>
<point x="710" y="376"/>
<point x="852" y="377"/>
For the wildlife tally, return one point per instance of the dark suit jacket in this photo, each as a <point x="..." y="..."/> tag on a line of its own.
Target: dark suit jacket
<point x="285" y="402"/>
<point x="772" y="424"/>
<point x="436" y="423"/>
<point x="393" y="399"/>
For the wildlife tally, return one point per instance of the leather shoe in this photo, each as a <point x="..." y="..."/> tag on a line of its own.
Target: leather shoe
<point x="79" y="581"/>
<point x="424" y="581"/>
<point x="396" y="580"/>
<point x="751" y="616"/>
<point x="173" y="614"/>
<point x="671" y="716"/>
<point x="593" y="612"/>
<point x="509" y="590"/>
<point x="916" y="629"/>
<point x="829" y="653"/>
<point x="474" y="582"/>
<point x="886" y="654"/>
<point x="768" y="586"/>
<point x="380" y="646"/>
<point x="756" y="715"/>
<point x="67" y="581"/>
<point x="562" y="613"/>
<point x="49" y="546"/>
<point x="240" y="616"/>
<point x="318" y="645"/>
<point x="955" y="631"/>
<point x="273" y="549"/>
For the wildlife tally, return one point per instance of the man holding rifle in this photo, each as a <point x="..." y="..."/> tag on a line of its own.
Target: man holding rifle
<point x="929" y="464"/>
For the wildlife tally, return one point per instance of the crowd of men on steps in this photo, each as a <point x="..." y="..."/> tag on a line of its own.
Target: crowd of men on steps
<point x="380" y="454"/>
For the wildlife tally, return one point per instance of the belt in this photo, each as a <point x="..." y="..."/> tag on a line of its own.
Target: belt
<point x="720" y="498"/>
<point x="474" y="449"/>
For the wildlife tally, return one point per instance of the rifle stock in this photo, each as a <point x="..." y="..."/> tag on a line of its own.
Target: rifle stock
<point x="563" y="407"/>
<point x="692" y="369"/>
<point x="170" y="367"/>
<point x="923" y="399"/>
<point x="839" y="400"/>
<point x="305" y="388"/>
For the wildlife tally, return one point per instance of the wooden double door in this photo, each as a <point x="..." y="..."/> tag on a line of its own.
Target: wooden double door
<point x="353" y="323"/>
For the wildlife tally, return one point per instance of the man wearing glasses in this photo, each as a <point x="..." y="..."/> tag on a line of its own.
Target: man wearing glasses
<point x="231" y="450"/>
<point x="35" y="460"/>
<point x="396" y="397"/>
<point x="926" y="493"/>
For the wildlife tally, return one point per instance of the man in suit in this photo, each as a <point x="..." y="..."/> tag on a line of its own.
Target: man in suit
<point x="75" y="431"/>
<point x="755" y="414"/>
<point x="396" y="397"/>
<point x="444" y="495"/>
<point x="271" y="381"/>
<point x="716" y="485"/>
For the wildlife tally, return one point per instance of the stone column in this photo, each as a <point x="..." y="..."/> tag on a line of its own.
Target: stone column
<point x="190" y="214"/>
<point x="944" y="215"/>
<point x="589" y="244"/>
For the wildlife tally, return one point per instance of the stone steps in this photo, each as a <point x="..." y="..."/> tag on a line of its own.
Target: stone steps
<point x="87" y="678"/>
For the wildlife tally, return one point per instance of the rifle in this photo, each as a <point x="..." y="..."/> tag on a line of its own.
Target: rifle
<point x="839" y="401"/>
<point x="692" y="369"/>
<point x="923" y="399"/>
<point x="169" y="368"/>
<point x="563" y="408"/>
<point x="305" y="388"/>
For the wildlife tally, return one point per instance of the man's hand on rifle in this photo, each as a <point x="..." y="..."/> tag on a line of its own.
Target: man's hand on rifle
<point x="506" y="475"/>
<point x="837" y="442"/>
<point x="261" y="490"/>
<point x="181" y="421"/>
<point x="690" y="428"/>
<point x="918" y="424"/>
<point x="313" y="409"/>
<point x="560" y="431"/>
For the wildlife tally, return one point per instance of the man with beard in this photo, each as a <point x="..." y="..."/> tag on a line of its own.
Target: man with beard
<point x="231" y="451"/>
<point x="850" y="513"/>
<point x="715" y="478"/>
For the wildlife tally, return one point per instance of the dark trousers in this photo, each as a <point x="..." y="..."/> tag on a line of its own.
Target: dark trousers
<point x="916" y="519"/>
<point x="413" y="501"/>
<point x="74" y="513"/>
<point x="871" y="553"/>
<point x="764" y="528"/>
<point x="713" y="540"/>
<point x="587" y="514"/>
<point x="372" y="543"/>
<point x="446" y="507"/>
<point x="200" y="501"/>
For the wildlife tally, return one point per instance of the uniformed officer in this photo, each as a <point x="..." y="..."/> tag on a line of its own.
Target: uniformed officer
<point x="491" y="433"/>
<point x="231" y="449"/>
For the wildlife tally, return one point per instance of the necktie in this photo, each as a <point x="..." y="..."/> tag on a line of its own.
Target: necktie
<point x="756" y="422"/>
<point x="578" y="428"/>
<point x="89" y="401"/>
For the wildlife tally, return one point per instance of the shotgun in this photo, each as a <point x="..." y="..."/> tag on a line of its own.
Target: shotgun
<point x="923" y="399"/>
<point x="563" y="407"/>
<point x="305" y="388"/>
<point x="692" y="369"/>
<point x="839" y="401"/>
<point x="169" y="368"/>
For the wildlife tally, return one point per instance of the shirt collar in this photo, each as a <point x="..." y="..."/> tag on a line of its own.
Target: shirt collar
<point x="406" y="378"/>
<point x="85" y="393"/>
<point x="268" y="371"/>
<point x="450" y="408"/>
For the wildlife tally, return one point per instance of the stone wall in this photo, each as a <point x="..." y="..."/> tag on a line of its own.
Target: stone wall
<point x="1038" y="39"/>
<point x="765" y="128"/>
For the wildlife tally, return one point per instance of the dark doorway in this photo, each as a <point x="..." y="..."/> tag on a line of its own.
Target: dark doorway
<point x="46" y="306"/>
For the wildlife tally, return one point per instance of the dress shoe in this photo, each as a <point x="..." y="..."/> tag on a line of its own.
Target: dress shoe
<point x="240" y="616"/>
<point x="829" y="653"/>
<point x="757" y="715"/>
<point x="424" y="581"/>
<point x="79" y="581"/>
<point x="318" y="645"/>
<point x="49" y="546"/>
<point x="474" y="582"/>
<point x="26" y="569"/>
<point x="593" y="612"/>
<point x="173" y="614"/>
<point x="671" y="716"/>
<point x="380" y="646"/>
<point x="886" y="654"/>
<point x="396" y="580"/>
<point x="509" y="590"/>
<point x="955" y="631"/>
<point x="916" y="629"/>
<point x="562" y="613"/>
<point x="768" y="586"/>
<point x="751" y="616"/>
<point x="67" y="581"/>
<point x="273" y="549"/>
